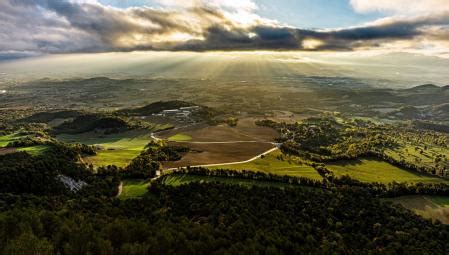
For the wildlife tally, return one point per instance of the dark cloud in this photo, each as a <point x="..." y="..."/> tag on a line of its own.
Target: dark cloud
<point x="61" y="26"/>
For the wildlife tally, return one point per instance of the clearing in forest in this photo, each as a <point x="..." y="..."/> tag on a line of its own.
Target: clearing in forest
<point x="134" y="188"/>
<point x="429" y="207"/>
<point x="114" y="149"/>
<point x="373" y="170"/>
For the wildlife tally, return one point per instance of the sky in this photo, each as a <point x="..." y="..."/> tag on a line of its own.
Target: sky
<point x="42" y="27"/>
<point x="298" y="13"/>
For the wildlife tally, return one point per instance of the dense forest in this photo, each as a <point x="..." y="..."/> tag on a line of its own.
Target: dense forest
<point x="216" y="219"/>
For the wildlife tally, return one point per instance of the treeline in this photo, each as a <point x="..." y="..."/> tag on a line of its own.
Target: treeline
<point x="329" y="181"/>
<point x="394" y="189"/>
<point x="244" y="174"/>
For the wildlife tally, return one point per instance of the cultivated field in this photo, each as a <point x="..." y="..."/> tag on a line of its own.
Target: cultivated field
<point x="213" y="153"/>
<point x="4" y="151"/>
<point x="221" y="143"/>
<point x="246" y="130"/>
<point x="271" y="163"/>
<point x="430" y="207"/>
<point x="372" y="170"/>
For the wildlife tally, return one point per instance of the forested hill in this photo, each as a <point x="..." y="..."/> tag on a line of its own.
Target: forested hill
<point x="217" y="219"/>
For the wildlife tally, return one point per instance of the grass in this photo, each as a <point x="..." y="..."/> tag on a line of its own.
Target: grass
<point x="6" y="139"/>
<point x="372" y="170"/>
<point x="179" y="138"/>
<point x="441" y="201"/>
<point x="271" y="164"/>
<point x="181" y="179"/>
<point x="117" y="149"/>
<point x="134" y="188"/>
<point x="429" y="207"/>
<point x="34" y="150"/>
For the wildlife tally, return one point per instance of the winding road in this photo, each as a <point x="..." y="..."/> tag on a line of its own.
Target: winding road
<point x="153" y="136"/>
<point x="231" y="163"/>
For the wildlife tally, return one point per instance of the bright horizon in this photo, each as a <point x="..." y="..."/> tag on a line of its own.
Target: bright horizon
<point x="395" y="70"/>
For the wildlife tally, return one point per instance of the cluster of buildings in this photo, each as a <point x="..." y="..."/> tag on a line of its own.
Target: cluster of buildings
<point x="183" y="114"/>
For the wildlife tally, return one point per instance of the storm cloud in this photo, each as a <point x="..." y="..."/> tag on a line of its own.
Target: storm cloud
<point x="62" y="26"/>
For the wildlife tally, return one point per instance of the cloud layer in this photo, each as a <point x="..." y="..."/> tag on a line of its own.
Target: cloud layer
<point x="401" y="6"/>
<point x="30" y="27"/>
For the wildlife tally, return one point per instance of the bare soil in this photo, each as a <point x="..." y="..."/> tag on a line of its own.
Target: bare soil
<point x="203" y="154"/>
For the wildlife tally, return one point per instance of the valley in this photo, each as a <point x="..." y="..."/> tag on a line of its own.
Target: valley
<point x="389" y="146"/>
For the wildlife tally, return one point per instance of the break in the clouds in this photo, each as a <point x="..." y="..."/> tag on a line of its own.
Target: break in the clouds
<point x="29" y="27"/>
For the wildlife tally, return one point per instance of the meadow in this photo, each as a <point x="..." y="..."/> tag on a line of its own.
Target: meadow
<point x="33" y="150"/>
<point x="115" y="149"/>
<point x="134" y="188"/>
<point x="373" y="170"/>
<point x="271" y="163"/>
<point x="5" y="139"/>
<point x="246" y="130"/>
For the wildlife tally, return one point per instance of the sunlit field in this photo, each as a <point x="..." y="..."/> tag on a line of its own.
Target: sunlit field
<point x="270" y="163"/>
<point x="372" y="170"/>
<point x="33" y="150"/>
<point x="115" y="149"/>
<point x="134" y="188"/>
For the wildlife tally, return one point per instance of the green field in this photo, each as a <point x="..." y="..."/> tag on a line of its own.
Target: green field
<point x="372" y="170"/>
<point x="179" y="138"/>
<point x="34" y="150"/>
<point x="116" y="149"/>
<point x="429" y="207"/>
<point x="134" y="188"/>
<point x="5" y="139"/>
<point x="181" y="179"/>
<point x="271" y="164"/>
<point x="441" y="201"/>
